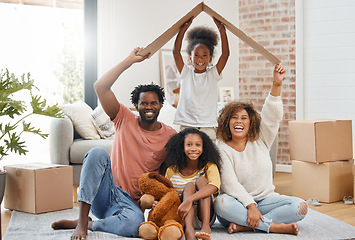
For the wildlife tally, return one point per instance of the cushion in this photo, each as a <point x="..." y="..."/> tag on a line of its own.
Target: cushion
<point x="80" y="114"/>
<point x="102" y="123"/>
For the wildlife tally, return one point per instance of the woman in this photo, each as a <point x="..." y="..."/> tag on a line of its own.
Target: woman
<point x="248" y="201"/>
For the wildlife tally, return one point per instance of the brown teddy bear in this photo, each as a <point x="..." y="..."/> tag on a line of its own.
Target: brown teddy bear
<point x="163" y="221"/>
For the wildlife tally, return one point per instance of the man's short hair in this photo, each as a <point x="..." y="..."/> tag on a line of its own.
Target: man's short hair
<point x="152" y="87"/>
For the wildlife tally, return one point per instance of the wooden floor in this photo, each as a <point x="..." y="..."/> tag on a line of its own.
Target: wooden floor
<point x="283" y="184"/>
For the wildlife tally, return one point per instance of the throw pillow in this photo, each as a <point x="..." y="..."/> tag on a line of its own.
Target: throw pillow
<point x="80" y="114"/>
<point x="102" y="123"/>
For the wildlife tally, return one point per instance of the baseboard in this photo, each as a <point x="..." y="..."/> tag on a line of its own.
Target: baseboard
<point x="283" y="168"/>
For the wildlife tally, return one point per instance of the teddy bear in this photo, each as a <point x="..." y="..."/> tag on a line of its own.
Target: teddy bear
<point x="163" y="223"/>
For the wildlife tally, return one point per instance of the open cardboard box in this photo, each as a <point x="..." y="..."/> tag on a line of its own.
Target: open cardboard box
<point x="159" y="42"/>
<point x="38" y="187"/>
<point x="329" y="182"/>
<point x="322" y="140"/>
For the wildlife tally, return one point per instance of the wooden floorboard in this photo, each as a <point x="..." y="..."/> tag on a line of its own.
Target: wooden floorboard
<point x="283" y="185"/>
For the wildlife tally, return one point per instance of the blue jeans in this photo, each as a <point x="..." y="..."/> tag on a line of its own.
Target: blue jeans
<point x="277" y="209"/>
<point x="116" y="210"/>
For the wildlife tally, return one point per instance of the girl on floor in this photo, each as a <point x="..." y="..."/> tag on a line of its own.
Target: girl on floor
<point x="193" y="162"/>
<point x="248" y="201"/>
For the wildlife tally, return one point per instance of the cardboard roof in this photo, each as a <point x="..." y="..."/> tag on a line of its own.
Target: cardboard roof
<point x="202" y="7"/>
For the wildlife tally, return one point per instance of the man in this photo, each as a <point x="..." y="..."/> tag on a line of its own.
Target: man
<point x="109" y="184"/>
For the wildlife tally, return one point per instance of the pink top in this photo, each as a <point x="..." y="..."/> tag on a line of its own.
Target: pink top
<point x="135" y="151"/>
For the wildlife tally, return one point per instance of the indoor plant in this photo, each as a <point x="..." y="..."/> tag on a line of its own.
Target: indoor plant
<point x="14" y="110"/>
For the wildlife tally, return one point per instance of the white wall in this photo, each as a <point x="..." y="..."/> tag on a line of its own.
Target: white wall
<point x="326" y="59"/>
<point x="124" y="25"/>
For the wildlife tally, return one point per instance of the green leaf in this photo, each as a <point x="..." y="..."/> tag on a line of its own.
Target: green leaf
<point x="2" y="152"/>
<point x="15" y="145"/>
<point x="28" y="128"/>
<point x="39" y="107"/>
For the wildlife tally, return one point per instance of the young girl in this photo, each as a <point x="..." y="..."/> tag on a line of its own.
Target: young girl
<point x="197" y="105"/>
<point x="193" y="161"/>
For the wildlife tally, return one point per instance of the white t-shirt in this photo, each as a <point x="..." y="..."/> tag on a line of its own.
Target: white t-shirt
<point x="198" y="98"/>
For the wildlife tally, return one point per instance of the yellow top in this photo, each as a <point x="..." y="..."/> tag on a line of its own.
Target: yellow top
<point x="210" y="172"/>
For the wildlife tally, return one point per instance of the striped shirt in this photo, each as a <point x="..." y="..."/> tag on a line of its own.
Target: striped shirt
<point x="210" y="172"/>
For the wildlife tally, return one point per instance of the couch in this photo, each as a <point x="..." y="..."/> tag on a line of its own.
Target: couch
<point x="68" y="148"/>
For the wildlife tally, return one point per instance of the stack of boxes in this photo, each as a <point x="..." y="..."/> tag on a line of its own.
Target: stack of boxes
<point x="322" y="159"/>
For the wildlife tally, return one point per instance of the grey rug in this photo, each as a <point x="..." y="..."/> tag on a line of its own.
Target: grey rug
<point x="37" y="226"/>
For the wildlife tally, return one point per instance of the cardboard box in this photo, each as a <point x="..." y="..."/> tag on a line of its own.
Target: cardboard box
<point x="38" y="187"/>
<point x="354" y="180"/>
<point x="329" y="182"/>
<point x="160" y="41"/>
<point x="320" y="141"/>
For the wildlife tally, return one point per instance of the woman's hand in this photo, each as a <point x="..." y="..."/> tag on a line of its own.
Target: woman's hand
<point x="254" y="216"/>
<point x="279" y="74"/>
<point x="184" y="208"/>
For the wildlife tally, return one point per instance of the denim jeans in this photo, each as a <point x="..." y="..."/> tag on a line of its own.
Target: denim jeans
<point x="116" y="210"/>
<point x="276" y="208"/>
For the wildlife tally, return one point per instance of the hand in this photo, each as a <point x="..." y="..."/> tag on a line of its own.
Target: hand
<point x="135" y="57"/>
<point x="186" y="25"/>
<point x="279" y="73"/>
<point x="154" y="204"/>
<point x="219" y="24"/>
<point x="254" y="216"/>
<point x="184" y="208"/>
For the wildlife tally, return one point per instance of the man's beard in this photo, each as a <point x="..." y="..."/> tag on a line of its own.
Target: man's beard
<point x="149" y="121"/>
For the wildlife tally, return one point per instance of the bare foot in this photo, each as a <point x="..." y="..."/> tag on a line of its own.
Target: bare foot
<point x="233" y="228"/>
<point x="79" y="233"/>
<point x="66" y="224"/>
<point x="203" y="235"/>
<point x="291" y="228"/>
<point x="205" y="232"/>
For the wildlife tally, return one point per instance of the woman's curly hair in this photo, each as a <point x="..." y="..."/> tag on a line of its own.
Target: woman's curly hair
<point x="202" y="35"/>
<point x="152" y="87"/>
<point x="176" y="153"/>
<point x="223" y="130"/>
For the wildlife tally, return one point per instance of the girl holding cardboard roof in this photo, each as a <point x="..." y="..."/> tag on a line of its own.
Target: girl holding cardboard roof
<point x="248" y="201"/>
<point x="197" y="105"/>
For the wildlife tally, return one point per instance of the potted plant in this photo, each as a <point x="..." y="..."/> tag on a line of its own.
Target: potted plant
<point x="14" y="110"/>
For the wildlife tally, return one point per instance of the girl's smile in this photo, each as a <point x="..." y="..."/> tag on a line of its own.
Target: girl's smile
<point x="193" y="146"/>
<point x="200" y="57"/>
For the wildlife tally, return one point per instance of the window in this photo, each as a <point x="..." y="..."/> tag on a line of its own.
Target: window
<point x="47" y="41"/>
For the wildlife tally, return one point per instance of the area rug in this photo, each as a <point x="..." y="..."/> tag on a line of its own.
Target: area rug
<point x="37" y="226"/>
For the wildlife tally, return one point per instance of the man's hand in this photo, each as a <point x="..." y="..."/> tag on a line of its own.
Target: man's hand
<point x="134" y="55"/>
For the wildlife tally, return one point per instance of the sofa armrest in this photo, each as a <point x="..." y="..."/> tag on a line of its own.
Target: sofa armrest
<point x="61" y="135"/>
